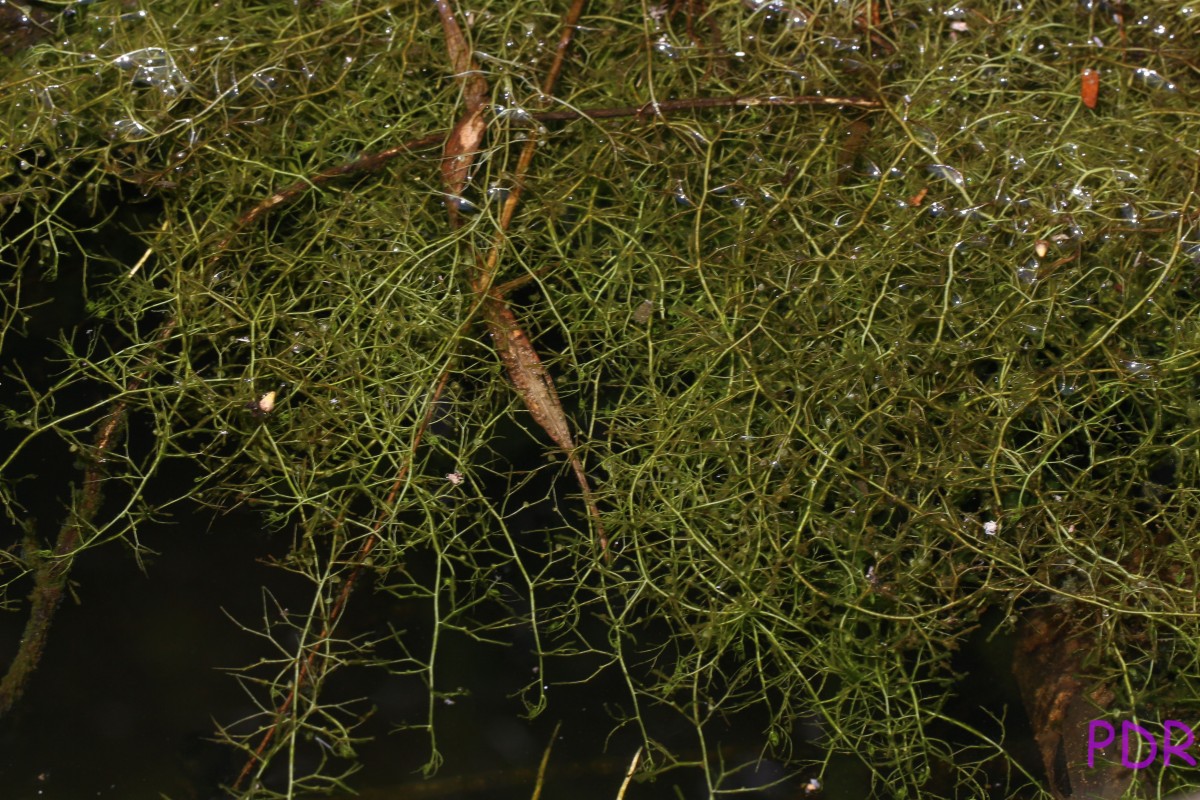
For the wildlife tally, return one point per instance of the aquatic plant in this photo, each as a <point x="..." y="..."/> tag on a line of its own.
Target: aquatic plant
<point x="861" y="323"/>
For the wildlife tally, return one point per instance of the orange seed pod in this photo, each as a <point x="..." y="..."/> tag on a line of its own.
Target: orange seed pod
<point x="1089" y="87"/>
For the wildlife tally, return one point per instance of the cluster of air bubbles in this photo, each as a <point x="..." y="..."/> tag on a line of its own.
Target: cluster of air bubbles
<point x="153" y="67"/>
<point x="529" y="33"/>
<point x="1067" y="385"/>
<point x="1153" y="80"/>
<point x="1083" y="197"/>
<point x="792" y="16"/>
<point x="875" y="172"/>
<point x="128" y="130"/>
<point x="739" y="201"/>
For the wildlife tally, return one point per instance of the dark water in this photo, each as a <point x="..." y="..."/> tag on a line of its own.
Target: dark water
<point x="132" y="680"/>
<point x="129" y="683"/>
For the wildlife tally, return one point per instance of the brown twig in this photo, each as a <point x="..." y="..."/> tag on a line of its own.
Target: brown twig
<point x="52" y="572"/>
<point x="520" y="358"/>
<point x="343" y="598"/>
<point x="664" y="107"/>
<point x="463" y="142"/>
<point x="518" y="354"/>
<point x="375" y="161"/>
<point x="287" y="194"/>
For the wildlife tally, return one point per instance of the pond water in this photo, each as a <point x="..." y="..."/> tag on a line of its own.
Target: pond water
<point x="133" y="679"/>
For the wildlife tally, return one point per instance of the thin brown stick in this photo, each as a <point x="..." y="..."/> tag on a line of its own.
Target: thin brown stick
<point x="663" y="107"/>
<point x="343" y="598"/>
<point x="375" y="161"/>
<point x="52" y="572"/>
<point x="287" y="194"/>
<point x="521" y="360"/>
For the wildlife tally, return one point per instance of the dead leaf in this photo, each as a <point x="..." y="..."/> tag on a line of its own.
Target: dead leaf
<point x="463" y="142"/>
<point x="1060" y="704"/>
<point x="520" y="358"/>
<point x="536" y="387"/>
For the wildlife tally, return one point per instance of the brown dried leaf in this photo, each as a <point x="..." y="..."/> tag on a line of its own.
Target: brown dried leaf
<point x="1060" y="705"/>
<point x="528" y="373"/>
<point x="463" y="142"/>
<point x="520" y="358"/>
<point x="459" y="154"/>
<point x="536" y="388"/>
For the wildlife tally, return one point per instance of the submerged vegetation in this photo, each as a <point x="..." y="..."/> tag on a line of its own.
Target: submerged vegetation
<point x="862" y="322"/>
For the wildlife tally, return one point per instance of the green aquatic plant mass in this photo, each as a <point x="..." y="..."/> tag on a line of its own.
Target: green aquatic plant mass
<point x="752" y="360"/>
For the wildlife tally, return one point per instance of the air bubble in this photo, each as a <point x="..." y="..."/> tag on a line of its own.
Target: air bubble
<point x="154" y="67"/>
<point x="127" y="129"/>
<point x="946" y="173"/>
<point x="515" y="115"/>
<point x="1027" y="273"/>
<point x="681" y="196"/>
<point x="1153" y="80"/>
<point x="1137" y="369"/>
<point x="463" y="205"/>
<point x="498" y="192"/>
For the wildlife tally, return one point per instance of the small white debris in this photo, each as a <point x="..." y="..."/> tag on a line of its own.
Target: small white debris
<point x="991" y="527"/>
<point x="812" y="787"/>
<point x="455" y="478"/>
